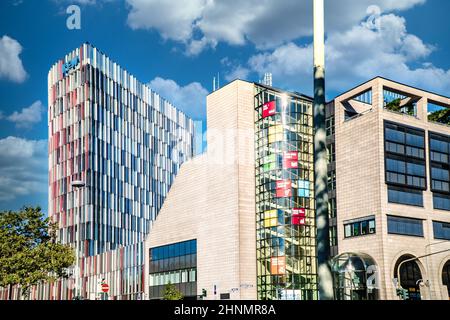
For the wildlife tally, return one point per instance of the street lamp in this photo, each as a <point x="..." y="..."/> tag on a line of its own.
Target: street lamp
<point x="325" y="280"/>
<point x="78" y="184"/>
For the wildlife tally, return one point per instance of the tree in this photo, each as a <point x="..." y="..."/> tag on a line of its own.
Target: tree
<point x="172" y="293"/>
<point x="442" y="116"/>
<point x="396" y="105"/>
<point x="29" y="253"/>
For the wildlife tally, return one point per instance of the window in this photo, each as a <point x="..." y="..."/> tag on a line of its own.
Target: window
<point x="405" y="141"/>
<point x="331" y="152"/>
<point x="440" y="167"/>
<point x="405" y="173"/>
<point x="175" y="263"/>
<point x="332" y="180"/>
<point x="405" y="226"/>
<point x="441" y="230"/>
<point x="174" y="250"/>
<point x="405" y="196"/>
<point x="330" y="123"/>
<point x="405" y="163"/>
<point x="441" y="202"/>
<point x="440" y="179"/>
<point x="333" y="236"/>
<point x="332" y="207"/>
<point x="359" y="227"/>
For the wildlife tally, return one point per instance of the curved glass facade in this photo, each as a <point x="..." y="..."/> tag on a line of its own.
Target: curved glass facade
<point x="286" y="244"/>
<point x="355" y="277"/>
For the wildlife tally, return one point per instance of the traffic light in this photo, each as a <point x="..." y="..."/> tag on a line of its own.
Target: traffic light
<point x="403" y="293"/>
<point x="204" y="293"/>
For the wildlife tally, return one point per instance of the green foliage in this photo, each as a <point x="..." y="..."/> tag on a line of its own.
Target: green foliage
<point x="29" y="252"/>
<point x="442" y="116"/>
<point x="395" y="105"/>
<point x="172" y="293"/>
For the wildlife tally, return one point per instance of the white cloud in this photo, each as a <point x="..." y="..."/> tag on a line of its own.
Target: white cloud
<point x="266" y="23"/>
<point x="28" y="116"/>
<point x="174" y="20"/>
<point x="11" y="67"/>
<point x="236" y="70"/>
<point x="191" y="99"/>
<point x="80" y="2"/>
<point x="379" y="46"/>
<point x="23" y="167"/>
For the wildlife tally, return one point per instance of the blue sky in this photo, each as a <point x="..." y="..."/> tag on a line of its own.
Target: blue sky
<point x="179" y="49"/>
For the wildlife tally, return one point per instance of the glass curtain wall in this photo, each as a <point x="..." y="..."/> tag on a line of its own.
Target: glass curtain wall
<point x="286" y="244"/>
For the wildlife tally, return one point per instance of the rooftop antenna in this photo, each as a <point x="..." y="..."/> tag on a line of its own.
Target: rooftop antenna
<point x="267" y="79"/>
<point x="214" y="84"/>
<point x="218" y="80"/>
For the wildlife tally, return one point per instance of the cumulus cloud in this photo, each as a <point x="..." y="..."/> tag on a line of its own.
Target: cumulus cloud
<point x="378" y="46"/>
<point x="80" y="2"/>
<point x="191" y="99"/>
<point x="23" y="167"/>
<point x="266" y="23"/>
<point x="28" y="116"/>
<point x="174" y="20"/>
<point x="236" y="70"/>
<point x="11" y="67"/>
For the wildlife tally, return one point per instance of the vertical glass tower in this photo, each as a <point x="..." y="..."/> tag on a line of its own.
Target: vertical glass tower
<point x="286" y="244"/>
<point x="125" y="144"/>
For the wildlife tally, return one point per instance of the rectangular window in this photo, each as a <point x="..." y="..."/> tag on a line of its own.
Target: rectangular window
<point x="405" y="196"/>
<point x="405" y="161"/>
<point x="440" y="167"/>
<point x="359" y="227"/>
<point x="441" y="230"/>
<point x="330" y="123"/>
<point x="405" y="226"/>
<point x="441" y="202"/>
<point x="348" y="230"/>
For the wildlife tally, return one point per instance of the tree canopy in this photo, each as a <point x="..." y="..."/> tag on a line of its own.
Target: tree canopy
<point x="442" y="116"/>
<point x="29" y="253"/>
<point x="172" y="293"/>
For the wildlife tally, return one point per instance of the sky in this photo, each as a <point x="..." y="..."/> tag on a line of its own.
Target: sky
<point x="177" y="47"/>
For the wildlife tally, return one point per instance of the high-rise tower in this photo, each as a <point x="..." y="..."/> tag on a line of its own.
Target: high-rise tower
<point x="123" y="145"/>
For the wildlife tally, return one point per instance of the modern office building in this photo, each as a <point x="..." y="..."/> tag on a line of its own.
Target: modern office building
<point x="392" y="191"/>
<point x="115" y="147"/>
<point x="246" y="206"/>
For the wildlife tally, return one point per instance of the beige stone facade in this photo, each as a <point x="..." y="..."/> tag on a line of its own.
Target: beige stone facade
<point x="213" y="199"/>
<point x="362" y="191"/>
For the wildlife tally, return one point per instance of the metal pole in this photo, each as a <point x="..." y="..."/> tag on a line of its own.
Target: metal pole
<point x="325" y="280"/>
